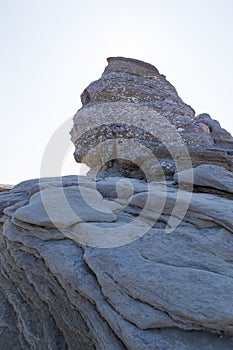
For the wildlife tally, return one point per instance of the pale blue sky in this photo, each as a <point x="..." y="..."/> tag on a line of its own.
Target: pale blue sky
<point x="52" y="49"/>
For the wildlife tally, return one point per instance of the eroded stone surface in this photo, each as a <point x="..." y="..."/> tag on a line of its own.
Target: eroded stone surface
<point x="162" y="291"/>
<point x="63" y="207"/>
<point x="119" y="106"/>
<point x="5" y="188"/>
<point x="208" y="176"/>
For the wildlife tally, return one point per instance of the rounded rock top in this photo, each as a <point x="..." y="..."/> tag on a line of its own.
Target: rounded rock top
<point x="130" y="66"/>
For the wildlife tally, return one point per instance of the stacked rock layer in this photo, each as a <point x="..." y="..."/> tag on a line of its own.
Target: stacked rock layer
<point x="164" y="290"/>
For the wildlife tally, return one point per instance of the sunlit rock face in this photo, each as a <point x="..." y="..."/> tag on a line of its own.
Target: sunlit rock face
<point x="133" y="101"/>
<point x="114" y="262"/>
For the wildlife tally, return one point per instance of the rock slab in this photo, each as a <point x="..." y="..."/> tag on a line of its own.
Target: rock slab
<point x="161" y="291"/>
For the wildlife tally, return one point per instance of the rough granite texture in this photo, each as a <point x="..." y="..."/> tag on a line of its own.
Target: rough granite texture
<point x="64" y="287"/>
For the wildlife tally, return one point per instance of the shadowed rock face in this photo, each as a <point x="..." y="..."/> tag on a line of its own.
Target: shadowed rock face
<point x="129" y="82"/>
<point x="119" y="263"/>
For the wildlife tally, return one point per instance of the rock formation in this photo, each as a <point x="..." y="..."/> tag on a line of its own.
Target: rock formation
<point x="118" y="262"/>
<point x="5" y="188"/>
<point x="118" y="105"/>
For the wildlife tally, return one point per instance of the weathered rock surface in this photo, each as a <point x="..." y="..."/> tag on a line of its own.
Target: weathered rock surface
<point x="161" y="291"/>
<point x="5" y="188"/>
<point x="208" y="176"/>
<point x="124" y="105"/>
<point x="114" y="262"/>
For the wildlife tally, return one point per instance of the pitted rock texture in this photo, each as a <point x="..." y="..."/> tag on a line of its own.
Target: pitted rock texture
<point x="164" y="290"/>
<point x="129" y="81"/>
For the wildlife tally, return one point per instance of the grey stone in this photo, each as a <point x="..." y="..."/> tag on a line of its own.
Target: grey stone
<point x="119" y="294"/>
<point x="192" y="303"/>
<point x="220" y="136"/>
<point x="9" y="199"/>
<point x="111" y="262"/>
<point x="118" y="107"/>
<point x="209" y="176"/>
<point x="172" y="290"/>
<point x="135" y="81"/>
<point x="200" y="209"/>
<point x="114" y="187"/>
<point x="64" y="207"/>
<point x="5" y="187"/>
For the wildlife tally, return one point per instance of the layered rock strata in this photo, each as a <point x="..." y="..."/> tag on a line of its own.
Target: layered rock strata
<point x="164" y="290"/>
<point x="5" y="188"/>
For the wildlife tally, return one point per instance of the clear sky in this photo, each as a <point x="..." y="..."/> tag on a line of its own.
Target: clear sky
<point x="52" y="49"/>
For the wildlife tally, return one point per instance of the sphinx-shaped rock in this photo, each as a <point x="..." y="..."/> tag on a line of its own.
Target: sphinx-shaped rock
<point x="117" y="262"/>
<point x="127" y="113"/>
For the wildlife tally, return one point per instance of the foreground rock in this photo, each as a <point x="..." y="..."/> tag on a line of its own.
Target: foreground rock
<point x="165" y="290"/>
